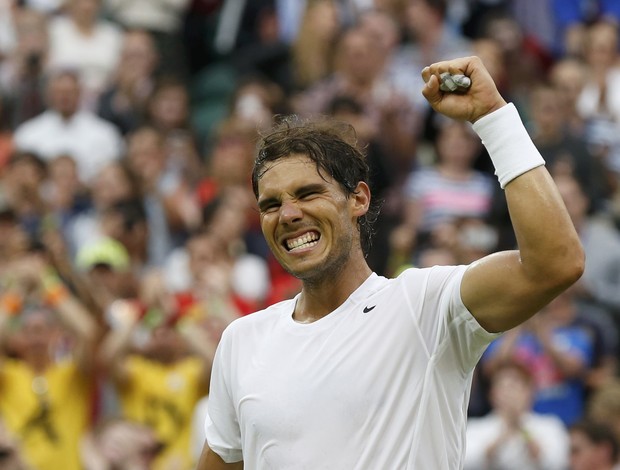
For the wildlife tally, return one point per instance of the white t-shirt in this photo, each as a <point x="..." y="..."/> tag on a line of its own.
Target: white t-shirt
<point x="547" y="431"/>
<point x="382" y="382"/>
<point x="95" y="56"/>
<point x="91" y="141"/>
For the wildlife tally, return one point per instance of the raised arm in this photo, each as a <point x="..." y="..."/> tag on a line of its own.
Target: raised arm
<point x="505" y="289"/>
<point x="74" y="316"/>
<point x="117" y="343"/>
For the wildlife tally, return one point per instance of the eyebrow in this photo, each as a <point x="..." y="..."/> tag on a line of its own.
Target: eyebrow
<point x="308" y="188"/>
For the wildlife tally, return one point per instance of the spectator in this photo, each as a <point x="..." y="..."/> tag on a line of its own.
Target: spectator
<point x="14" y="241"/>
<point x="444" y="191"/>
<point x="429" y="39"/>
<point x="571" y="20"/>
<point x="168" y="112"/>
<point x="313" y="48"/>
<point x="124" y="102"/>
<point x="46" y="390"/>
<point x="81" y="41"/>
<point x="604" y="406"/>
<point x="105" y="268"/>
<point x="568" y="76"/>
<point x="65" y="130"/>
<point x="598" y="286"/>
<point x="21" y="72"/>
<point x="599" y="101"/>
<point x="46" y="7"/>
<point x="23" y="181"/>
<point x="114" y="183"/>
<point x="120" y="445"/>
<point x="166" y="189"/>
<point x="562" y="150"/>
<point x="559" y="350"/>
<point x="512" y="436"/>
<point x="66" y="196"/>
<point x="525" y="62"/>
<point x="361" y="74"/>
<point x="127" y="221"/>
<point x="163" y="20"/>
<point x="201" y="273"/>
<point x="6" y="135"/>
<point x="160" y="383"/>
<point x="257" y="100"/>
<point x="383" y="178"/>
<point x="230" y="160"/>
<point x="11" y="457"/>
<point x="593" y="446"/>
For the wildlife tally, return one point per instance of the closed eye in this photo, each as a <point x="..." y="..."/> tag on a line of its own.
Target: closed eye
<point x="269" y="205"/>
<point x="308" y="195"/>
<point x="310" y="191"/>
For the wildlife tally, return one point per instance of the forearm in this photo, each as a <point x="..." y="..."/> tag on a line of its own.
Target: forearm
<point x="549" y="247"/>
<point x="116" y="344"/>
<point x="507" y="288"/>
<point x="570" y="365"/>
<point x="70" y="311"/>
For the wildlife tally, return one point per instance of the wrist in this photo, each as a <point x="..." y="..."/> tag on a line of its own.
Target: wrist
<point x="11" y="303"/>
<point x="509" y="145"/>
<point x="495" y="107"/>
<point x="54" y="290"/>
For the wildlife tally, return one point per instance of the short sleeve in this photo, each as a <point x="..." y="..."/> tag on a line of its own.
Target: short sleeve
<point x="463" y="333"/>
<point x="221" y="425"/>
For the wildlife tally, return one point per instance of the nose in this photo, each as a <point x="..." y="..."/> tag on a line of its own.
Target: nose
<point x="290" y="212"/>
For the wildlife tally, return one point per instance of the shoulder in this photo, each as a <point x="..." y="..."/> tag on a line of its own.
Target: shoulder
<point x="44" y="119"/>
<point x="59" y="25"/>
<point x="28" y="136"/>
<point x="109" y="29"/>
<point x="259" y="320"/>
<point x="434" y="277"/>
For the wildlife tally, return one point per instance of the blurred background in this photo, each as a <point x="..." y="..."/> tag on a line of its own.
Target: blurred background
<point x="129" y="237"/>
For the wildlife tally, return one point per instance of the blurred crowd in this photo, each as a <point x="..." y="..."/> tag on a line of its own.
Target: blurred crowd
<point x="129" y="237"/>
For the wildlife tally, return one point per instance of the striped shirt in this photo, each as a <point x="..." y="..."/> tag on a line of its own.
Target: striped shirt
<point x="443" y="199"/>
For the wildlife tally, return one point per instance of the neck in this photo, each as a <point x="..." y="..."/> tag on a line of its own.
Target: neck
<point x="38" y="363"/>
<point x="66" y="116"/>
<point x="319" y="298"/>
<point x="84" y="27"/>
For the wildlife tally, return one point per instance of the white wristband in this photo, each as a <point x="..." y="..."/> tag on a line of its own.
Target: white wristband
<point x="509" y="145"/>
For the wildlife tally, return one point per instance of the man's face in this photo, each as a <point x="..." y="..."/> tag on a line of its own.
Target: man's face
<point x="584" y="454"/>
<point x="64" y="95"/>
<point x="307" y="219"/>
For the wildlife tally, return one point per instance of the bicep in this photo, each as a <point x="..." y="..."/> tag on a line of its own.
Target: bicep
<point x="499" y="294"/>
<point x="209" y="460"/>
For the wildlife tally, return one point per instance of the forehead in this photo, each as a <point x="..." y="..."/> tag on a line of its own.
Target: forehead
<point x="288" y="173"/>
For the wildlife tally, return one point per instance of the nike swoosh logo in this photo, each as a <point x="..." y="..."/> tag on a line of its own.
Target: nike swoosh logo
<point x="368" y="309"/>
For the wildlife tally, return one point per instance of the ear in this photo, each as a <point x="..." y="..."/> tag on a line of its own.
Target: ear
<point x="360" y="199"/>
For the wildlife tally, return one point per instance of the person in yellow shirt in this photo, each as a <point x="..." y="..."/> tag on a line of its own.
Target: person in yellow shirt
<point x="159" y="384"/>
<point x="45" y="392"/>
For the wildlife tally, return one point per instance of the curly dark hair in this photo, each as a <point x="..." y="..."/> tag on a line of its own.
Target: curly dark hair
<point x="332" y="146"/>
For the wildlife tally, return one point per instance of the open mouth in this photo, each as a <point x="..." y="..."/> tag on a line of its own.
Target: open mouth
<point x="307" y="240"/>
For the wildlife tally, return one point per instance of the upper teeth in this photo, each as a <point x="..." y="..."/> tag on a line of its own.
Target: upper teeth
<point x="306" y="240"/>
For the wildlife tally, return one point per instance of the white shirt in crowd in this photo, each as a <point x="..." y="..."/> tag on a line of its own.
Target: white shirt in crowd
<point x="547" y="431"/>
<point x="95" y="56"/>
<point x="88" y="139"/>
